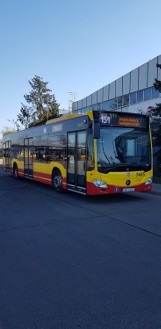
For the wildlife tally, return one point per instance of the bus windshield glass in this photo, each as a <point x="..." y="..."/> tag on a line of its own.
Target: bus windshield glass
<point x="121" y="149"/>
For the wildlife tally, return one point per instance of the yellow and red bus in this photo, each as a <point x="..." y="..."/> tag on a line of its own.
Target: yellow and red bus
<point x="95" y="153"/>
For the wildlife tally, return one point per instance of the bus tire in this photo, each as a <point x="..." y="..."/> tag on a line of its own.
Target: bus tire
<point x="15" y="171"/>
<point x="57" y="180"/>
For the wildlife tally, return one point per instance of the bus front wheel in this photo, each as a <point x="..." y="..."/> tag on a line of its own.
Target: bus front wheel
<point x="57" y="180"/>
<point x="15" y="171"/>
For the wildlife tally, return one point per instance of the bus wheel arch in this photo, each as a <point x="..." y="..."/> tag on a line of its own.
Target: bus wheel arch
<point x="57" y="180"/>
<point x="15" y="170"/>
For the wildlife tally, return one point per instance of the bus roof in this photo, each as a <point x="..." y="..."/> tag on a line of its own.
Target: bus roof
<point x="63" y="117"/>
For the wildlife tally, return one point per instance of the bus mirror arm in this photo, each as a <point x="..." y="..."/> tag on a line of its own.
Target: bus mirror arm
<point x="96" y="130"/>
<point x="96" y="124"/>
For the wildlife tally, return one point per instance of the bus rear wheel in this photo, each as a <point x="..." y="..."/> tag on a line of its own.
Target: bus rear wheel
<point x="57" y="180"/>
<point x="15" y="171"/>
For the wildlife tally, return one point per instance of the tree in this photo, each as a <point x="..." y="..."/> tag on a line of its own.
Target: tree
<point x="157" y="86"/>
<point x="25" y="115"/>
<point x="42" y="104"/>
<point x="156" y="112"/>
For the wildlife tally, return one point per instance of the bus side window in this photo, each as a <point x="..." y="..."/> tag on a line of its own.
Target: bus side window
<point x="90" y="152"/>
<point x="4" y="152"/>
<point x="39" y="153"/>
<point x="47" y="154"/>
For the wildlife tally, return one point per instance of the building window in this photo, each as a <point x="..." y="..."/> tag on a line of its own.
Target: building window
<point x="95" y="107"/>
<point x="155" y="93"/>
<point x="119" y="101"/>
<point x="147" y="94"/>
<point x="133" y="98"/>
<point x="111" y="104"/>
<point x="125" y="100"/>
<point x="86" y="109"/>
<point x="104" y="106"/>
<point x="139" y="96"/>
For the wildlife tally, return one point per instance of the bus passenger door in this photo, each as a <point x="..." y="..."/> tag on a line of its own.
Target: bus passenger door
<point x="7" y="156"/>
<point x="76" y="155"/>
<point x="28" y="157"/>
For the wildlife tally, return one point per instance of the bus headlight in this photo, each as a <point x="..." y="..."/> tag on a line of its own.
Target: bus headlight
<point x="149" y="181"/>
<point x="100" y="184"/>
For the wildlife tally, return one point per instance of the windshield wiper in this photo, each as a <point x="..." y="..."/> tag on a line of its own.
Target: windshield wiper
<point x="105" y="155"/>
<point x="123" y="167"/>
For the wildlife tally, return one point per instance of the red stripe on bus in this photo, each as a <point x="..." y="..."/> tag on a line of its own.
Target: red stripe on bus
<point x="43" y="175"/>
<point x="43" y="180"/>
<point x="21" y="171"/>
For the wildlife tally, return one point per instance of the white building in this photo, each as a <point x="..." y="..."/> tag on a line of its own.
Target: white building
<point x="133" y="92"/>
<point x="64" y="112"/>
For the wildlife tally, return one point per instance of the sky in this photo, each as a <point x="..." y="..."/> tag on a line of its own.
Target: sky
<point x="76" y="46"/>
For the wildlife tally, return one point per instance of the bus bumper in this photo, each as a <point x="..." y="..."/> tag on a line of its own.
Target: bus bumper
<point x="111" y="189"/>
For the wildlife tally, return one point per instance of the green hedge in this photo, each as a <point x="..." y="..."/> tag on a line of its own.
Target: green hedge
<point x="157" y="174"/>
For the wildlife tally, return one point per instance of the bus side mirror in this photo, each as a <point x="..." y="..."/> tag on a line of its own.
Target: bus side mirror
<point x="96" y="124"/>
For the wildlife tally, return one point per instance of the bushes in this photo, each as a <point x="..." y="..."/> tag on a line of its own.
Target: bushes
<point x="157" y="173"/>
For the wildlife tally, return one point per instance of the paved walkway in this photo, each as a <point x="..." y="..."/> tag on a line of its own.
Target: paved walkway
<point x="156" y="189"/>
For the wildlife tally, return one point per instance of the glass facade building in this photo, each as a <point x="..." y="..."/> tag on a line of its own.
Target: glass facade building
<point x="133" y="92"/>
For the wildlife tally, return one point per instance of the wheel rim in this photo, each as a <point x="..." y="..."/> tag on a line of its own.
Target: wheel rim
<point x="57" y="181"/>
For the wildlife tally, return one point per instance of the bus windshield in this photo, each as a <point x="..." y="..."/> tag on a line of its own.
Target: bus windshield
<point x="121" y="149"/>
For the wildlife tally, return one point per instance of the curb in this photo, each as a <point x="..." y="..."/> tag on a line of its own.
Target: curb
<point x="155" y="193"/>
<point x="156" y="189"/>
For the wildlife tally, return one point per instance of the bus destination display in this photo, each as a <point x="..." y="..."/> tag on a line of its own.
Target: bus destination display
<point x="119" y="120"/>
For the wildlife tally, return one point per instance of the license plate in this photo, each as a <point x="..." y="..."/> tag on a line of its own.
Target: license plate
<point x="128" y="189"/>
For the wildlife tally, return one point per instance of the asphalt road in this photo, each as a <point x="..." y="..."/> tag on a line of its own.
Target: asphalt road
<point x="73" y="262"/>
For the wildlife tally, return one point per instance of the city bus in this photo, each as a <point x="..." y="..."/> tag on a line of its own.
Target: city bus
<point x="95" y="153"/>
